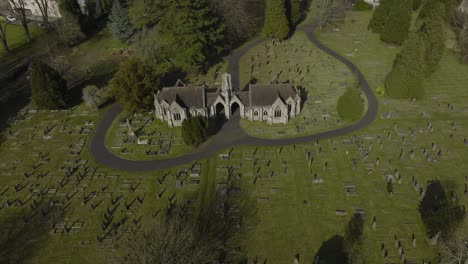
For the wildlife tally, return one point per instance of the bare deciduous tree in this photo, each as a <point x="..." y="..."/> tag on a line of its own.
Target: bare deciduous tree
<point x="330" y="13"/>
<point x="454" y="249"/>
<point x="19" y="9"/>
<point x="169" y="242"/>
<point x="91" y="96"/>
<point x="44" y="8"/>
<point x="3" y="35"/>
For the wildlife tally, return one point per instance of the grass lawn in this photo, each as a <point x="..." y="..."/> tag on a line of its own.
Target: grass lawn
<point x="162" y="141"/>
<point x="297" y="61"/>
<point x="277" y="209"/>
<point x="16" y="37"/>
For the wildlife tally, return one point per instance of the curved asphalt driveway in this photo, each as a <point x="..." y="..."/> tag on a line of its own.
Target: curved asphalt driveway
<point x="231" y="134"/>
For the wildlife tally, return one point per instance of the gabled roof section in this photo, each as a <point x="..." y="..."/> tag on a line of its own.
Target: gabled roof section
<point x="264" y="95"/>
<point x="189" y="96"/>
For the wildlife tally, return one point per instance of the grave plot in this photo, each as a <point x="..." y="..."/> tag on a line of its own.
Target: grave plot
<point x="80" y="210"/>
<point x="141" y="137"/>
<point x="322" y="79"/>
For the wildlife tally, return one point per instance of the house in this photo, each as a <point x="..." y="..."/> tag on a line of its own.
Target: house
<point x="274" y="103"/>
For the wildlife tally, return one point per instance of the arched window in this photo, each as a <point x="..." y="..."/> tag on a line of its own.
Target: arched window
<point x="265" y="113"/>
<point x="177" y="116"/>
<point x="277" y="112"/>
<point x="289" y="108"/>
<point x="255" y="113"/>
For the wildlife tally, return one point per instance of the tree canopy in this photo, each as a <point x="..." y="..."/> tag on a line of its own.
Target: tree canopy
<point x="405" y="79"/>
<point x="120" y="25"/>
<point x="276" y="22"/>
<point x="396" y="27"/>
<point x="134" y="84"/>
<point x="380" y="15"/>
<point x="439" y="213"/>
<point x="350" y="105"/>
<point x="48" y="88"/>
<point x="196" y="130"/>
<point x="188" y="35"/>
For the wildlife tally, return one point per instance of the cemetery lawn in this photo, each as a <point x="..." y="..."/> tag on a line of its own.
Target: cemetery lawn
<point x="51" y="180"/>
<point x="16" y="37"/>
<point x="163" y="141"/>
<point x="322" y="79"/>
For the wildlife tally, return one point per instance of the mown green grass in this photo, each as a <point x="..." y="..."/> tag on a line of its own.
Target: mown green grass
<point x="320" y="77"/>
<point x="16" y="37"/>
<point x="298" y="214"/>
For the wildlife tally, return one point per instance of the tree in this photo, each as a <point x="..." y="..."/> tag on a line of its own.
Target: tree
<point x="416" y="4"/>
<point x="454" y="249"/>
<point x="133" y="85"/>
<point x="350" y="105"/>
<point x="396" y="27"/>
<point x="276" y="22"/>
<point x="243" y="18"/>
<point x="68" y="29"/>
<point x="189" y="35"/>
<point x="120" y="25"/>
<point x="48" y="88"/>
<point x="295" y="9"/>
<point x="330" y="13"/>
<point x="170" y="241"/>
<point x="196" y="130"/>
<point x="361" y="5"/>
<point x="439" y="213"/>
<point x="353" y="239"/>
<point x="43" y="6"/>
<point x="380" y="15"/>
<point x="3" y="35"/>
<point x="405" y="79"/>
<point x="91" y="96"/>
<point x="19" y="9"/>
<point x="432" y="33"/>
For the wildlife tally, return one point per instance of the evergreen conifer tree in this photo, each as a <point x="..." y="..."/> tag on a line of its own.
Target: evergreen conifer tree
<point x="276" y="22"/>
<point x="189" y="34"/>
<point x="120" y="25"/>
<point x="397" y="24"/>
<point x="432" y="33"/>
<point x="295" y="11"/>
<point x="377" y="22"/>
<point x="48" y="88"/>
<point x="405" y="79"/>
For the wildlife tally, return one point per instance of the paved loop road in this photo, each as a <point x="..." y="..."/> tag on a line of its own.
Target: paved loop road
<point x="231" y="134"/>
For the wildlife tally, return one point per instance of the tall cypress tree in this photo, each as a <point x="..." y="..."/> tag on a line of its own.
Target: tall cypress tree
<point x="120" y="25"/>
<point x="381" y="13"/>
<point x="405" y="79"/>
<point x="276" y="22"/>
<point x="397" y="24"/>
<point x="48" y="88"/>
<point x="295" y="11"/>
<point x="432" y="32"/>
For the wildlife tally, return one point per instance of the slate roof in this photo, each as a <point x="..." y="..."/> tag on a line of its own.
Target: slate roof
<point x="189" y="97"/>
<point x="264" y="95"/>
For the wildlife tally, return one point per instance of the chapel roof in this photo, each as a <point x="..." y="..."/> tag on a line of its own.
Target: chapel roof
<point x="186" y="96"/>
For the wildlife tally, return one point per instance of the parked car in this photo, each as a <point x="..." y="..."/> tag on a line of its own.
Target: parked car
<point x="11" y="18"/>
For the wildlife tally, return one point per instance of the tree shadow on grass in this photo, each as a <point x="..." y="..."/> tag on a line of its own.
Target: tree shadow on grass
<point x="331" y="251"/>
<point x="21" y="235"/>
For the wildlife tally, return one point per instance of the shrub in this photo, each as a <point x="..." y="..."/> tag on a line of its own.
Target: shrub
<point x="196" y="130"/>
<point x="91" y="96"/>
<point x="361" y="5"/>
<point x="350" y="105"/>
<point x="276" y="22"/>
